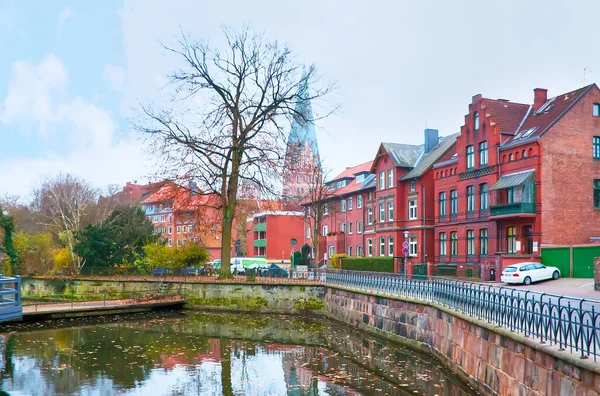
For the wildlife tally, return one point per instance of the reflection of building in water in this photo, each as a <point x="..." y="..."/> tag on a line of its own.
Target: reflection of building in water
<point x="211" y="353"/>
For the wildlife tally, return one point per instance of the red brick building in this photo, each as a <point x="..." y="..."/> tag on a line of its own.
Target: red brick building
<point x="270" y="234"/>
<point x="524" y="176"/>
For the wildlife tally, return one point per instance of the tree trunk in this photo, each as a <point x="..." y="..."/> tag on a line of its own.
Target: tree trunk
<point x="226" y="232"/>
<point x="225" y="352"/>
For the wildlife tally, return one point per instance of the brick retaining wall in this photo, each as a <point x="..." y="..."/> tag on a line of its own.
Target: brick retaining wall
<point x="491" y="359"/>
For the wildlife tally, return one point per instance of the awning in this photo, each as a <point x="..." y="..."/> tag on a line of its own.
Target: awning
<point x="512" y="180"/>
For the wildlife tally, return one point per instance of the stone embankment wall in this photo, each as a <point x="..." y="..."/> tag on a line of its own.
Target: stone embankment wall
<point x="493" y="360"/>
<point x="218" y="296"/>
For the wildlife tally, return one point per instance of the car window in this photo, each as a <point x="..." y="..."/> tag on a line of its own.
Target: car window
<point x="539" y="266"/>
<point x="524" y="268"/>
<point x="510" y="269"/>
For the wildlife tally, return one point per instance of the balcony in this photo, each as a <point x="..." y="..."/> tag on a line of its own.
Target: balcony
<point x="260" y="243"/>
<point x="260" y="227"/>
<point x="509" y="209"/>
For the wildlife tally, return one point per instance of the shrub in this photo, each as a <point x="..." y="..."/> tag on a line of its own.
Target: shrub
<point x="336" y="260"/>
<point x="377" y="264"/>
<point x="297" y="259"/>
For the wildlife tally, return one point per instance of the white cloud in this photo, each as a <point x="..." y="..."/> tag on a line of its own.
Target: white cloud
<point x="114" y="77"/>
<point x="64" y="16"/>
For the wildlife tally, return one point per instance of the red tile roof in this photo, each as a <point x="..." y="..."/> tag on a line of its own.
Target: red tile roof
<point x="507" y="114"/>
<point x="353" y="170"/>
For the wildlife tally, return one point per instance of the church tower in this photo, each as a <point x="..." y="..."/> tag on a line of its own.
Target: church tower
<point x="302" y="160"/>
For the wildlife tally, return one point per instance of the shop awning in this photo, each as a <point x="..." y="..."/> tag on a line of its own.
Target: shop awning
<point x="513" y="180"/>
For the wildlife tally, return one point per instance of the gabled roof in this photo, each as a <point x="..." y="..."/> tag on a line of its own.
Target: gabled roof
<point x="427" y="160"/>
<point x="350" y="172"/>
<point x="508" y="114"/>
<point x="405" y="155"/>
<point x="537" y="123"/>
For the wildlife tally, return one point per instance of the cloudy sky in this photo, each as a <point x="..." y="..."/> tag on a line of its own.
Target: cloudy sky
<point x="72" y="73"/>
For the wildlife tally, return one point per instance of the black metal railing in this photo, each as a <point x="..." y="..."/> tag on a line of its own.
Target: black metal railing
<point x="572" y="324"/>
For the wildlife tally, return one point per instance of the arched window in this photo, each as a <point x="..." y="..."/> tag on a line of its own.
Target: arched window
<point x="504" y="158"/>
<point x="517" y="156"/>
<point x="510" y="157"/>
<point x="524" y="153"/>
<point x="476" y="121"/>
<point x="530" y="152"/>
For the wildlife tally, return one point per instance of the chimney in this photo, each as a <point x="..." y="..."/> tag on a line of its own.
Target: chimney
<point x="431" y="139"/>
<point x="540" y="96"/>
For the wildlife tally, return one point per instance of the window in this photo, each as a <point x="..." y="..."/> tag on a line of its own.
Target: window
<point x="597" y="193"/>
<point x="412" y="246"/>
<point x="369" y="215"/>
<point x="359" y="250"/>
<point x="483" y="196"/>
<point x="381" y="213"/>
<point x="359" y="227"/>
<point x="359" y="200"/>
<point x="350" y="203"/>
<point x="331" y="251"/>
<point x="350" y="251"/>
<point x="155" y="219"/>
<point x="453" y="202"/>
<point x="510" y="195"/>
<point x="412" y="209"/>
<point x="524" y="154"/>
<point x="442" y="204"/>
<point x="483" y="154"/>
<point x="596" y="110"/>
<point x="413" y="185"/>
<point x="179" y="229"/>
<point x="350" y="228"/>
<point x="442" y="243"/>
<point x="190" y="228"/>
<point x="170" y="230"/>
<point x="453" y="243"/>
<point x="476" y="121"/>
<point x="483" y="241"/>
<point x="369" y="247"/>
<point x="307" y="232"/>
<point x="470" y="199"/>
<point x="511" y="239"/>
<point x="470" y="157"/>
<point x="325" y="209"/>
<point x="381" y="180"/>
<point x="343" y="205"/>
<point x="381" y="246"/>
<point x="343" y="227"/>
<point x="510" y="157"/>
<point x="390" y="178"/>
<point x="390" y="211"/>
<point x="470" y="242"/>
<point x="163" y="218"/>
<point x="325" y="230"/>
<point x="390" y="246"/>
<point x="597" y="147"/>
<point x="170" y="243"/>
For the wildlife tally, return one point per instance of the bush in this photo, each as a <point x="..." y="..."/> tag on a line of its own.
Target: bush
<point x="336" y="260"/>
<point x="377" y="264"/>
<point x="297" y="259"/>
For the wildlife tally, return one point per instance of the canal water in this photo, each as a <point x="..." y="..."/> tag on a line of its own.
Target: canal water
<point x="175" y="353"/>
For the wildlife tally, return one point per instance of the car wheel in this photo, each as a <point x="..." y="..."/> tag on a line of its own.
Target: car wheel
<point x="527" y="281"/>
<point x="555" y="275"/>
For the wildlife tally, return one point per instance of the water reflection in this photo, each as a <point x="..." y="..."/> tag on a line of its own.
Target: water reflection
<point x="211" y="354"/>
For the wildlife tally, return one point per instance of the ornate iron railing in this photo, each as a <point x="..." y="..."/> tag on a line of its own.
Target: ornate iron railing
<point x="572" y="324"/>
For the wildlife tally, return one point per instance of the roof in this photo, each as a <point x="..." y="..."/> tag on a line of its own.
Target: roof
<point x="508" y="114"/>
<point x="537" y="123"/>
<point x="369" y="182"/>
<point x="427" y="160"/>
<point x="303" y="127"/>
<point x="405" y="155"/>
<point x="513" y="179"/>
<point x="350" y="172"/>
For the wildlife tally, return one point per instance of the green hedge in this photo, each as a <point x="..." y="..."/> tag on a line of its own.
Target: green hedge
<point x="378" y="264"/>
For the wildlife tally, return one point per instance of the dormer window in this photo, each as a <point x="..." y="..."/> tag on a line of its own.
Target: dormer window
<point x="596" y="109"/>
<point x="476" y="121"/>
<point x="413" y="185"/>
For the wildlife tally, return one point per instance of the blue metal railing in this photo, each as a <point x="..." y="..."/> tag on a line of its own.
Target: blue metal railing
<point x="10" y="298"/>
<point x="570" y="323"/>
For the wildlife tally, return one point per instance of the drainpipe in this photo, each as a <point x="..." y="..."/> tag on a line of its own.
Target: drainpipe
<point x="424" y="224"/>
<point x="346" y="229"/>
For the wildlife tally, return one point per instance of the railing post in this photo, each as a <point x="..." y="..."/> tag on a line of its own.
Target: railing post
<point x="18" y="290"/>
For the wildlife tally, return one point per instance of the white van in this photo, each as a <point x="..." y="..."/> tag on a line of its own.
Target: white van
<point x="239" y="264"/>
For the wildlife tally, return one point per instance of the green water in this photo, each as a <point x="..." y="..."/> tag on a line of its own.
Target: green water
<point x="174" y="353"/>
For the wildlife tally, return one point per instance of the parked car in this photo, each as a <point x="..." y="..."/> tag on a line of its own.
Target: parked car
<point x="525" y="273"/>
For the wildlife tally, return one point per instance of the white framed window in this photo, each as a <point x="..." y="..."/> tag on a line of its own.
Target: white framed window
<point x="359" y="227"/>
<point x="350" y="203"/>
<point x="179" y="229"/>
<point x="390" y="211"/>
<point x="343" y="227"/>
<point x="163" y="218"/>
<point x="369" y="216"/>
<point x="155" y="219"/>
<point x="359" y="250"/>
<point x="412" y="209"/>
<point x="170" y="243"/>
<point x="381" y="213"/>
<point x="381" y="180"/>
<point x="190" y="227"/>
<point x="381" y="246"/>
<point x="179" y="242"/>
<point x="412" y="246"/>
<point x="325" y="231"/>
<point x="349" y="227"/>
<point x="390" y="246"/>
<point x="343" y="205"/>
<point x="307" y="232"/>
<point x="390" y="176"/>
<point x="325" y="209"/>
<point x="331" y="251"/>
<point x="170" y="230"/>
<point x="170" y="219"/>
<point x="369" y="247"/>
<point x="350" y="251"/>
<point x="413" y="185"/>
<point x="359" y="201"/>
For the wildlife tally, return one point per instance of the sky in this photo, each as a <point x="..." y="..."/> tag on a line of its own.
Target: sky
<point x="73" y="73"/>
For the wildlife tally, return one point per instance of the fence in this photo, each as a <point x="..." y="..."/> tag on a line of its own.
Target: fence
<point x="10" y="298"/>
<point x="570" y="323"/>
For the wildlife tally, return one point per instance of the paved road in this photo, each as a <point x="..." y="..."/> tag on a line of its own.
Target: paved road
<point x="572" y="287"/>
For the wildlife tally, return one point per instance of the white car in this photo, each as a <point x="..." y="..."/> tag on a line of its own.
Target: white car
<point x="525" y="273"/>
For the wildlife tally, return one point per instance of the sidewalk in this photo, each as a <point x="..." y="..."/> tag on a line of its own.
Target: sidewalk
<point x="572" y="287"/>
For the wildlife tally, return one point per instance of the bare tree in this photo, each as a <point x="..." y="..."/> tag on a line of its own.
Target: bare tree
<point x="233" y="108"/>
<point x="66" y="204"/>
